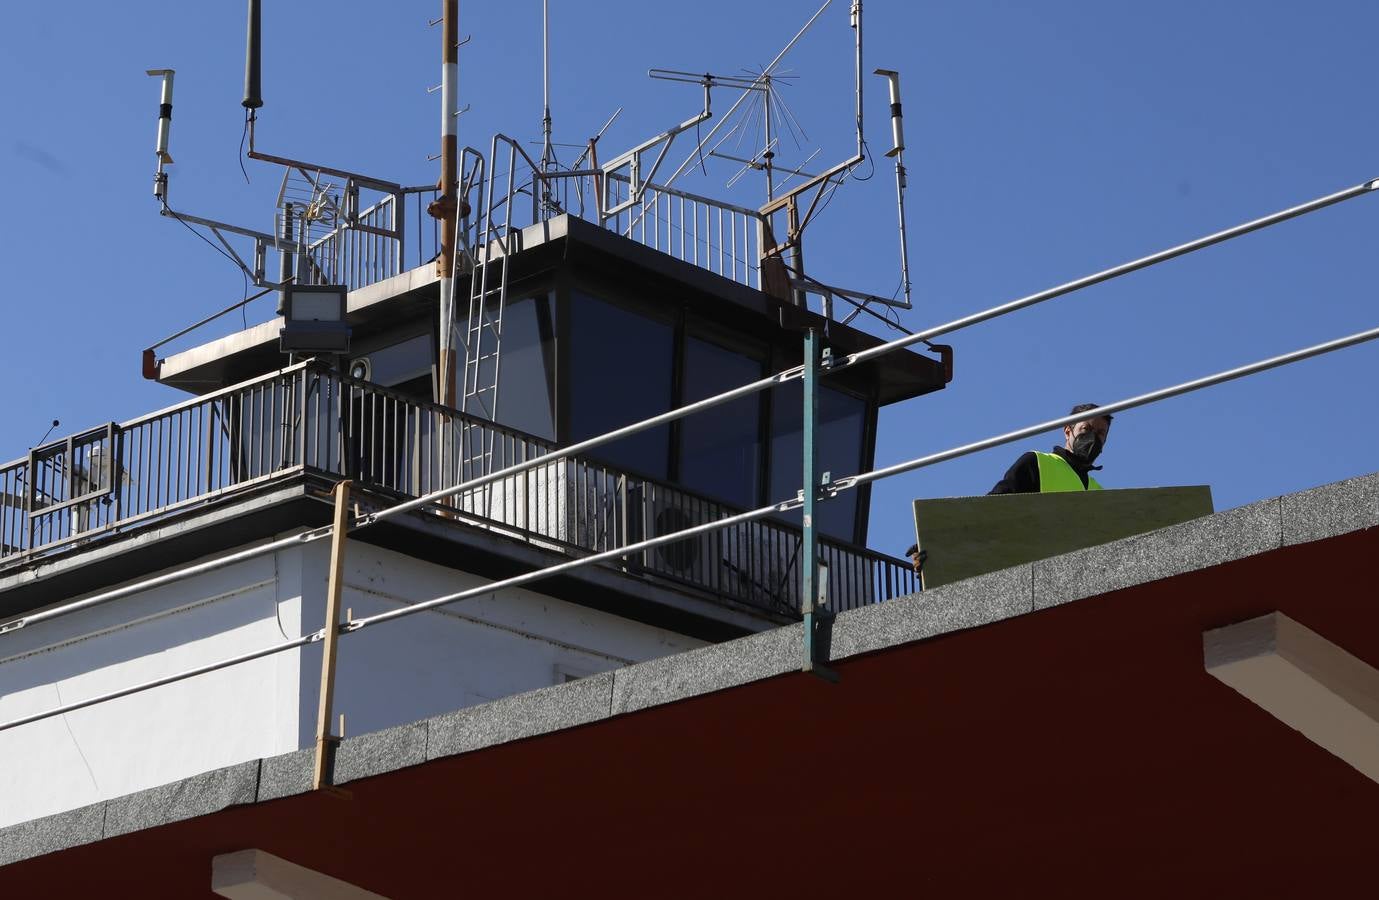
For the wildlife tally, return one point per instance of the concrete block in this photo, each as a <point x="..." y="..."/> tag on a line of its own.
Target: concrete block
<point x="1331" y="509"/>
<point x="186" y="799"/>
<point x="286" y="775"/>
<point x="708" y="669"/>
<point x="521" y="716"/>
<point x="953" y="607"/>
<point x="380" y="751"/>
<point x="51" y="833"/>
<point x="1199" y="544"/>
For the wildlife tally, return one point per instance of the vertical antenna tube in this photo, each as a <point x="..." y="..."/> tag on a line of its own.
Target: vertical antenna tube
<point x="857" y="27"/>
<point x="160" y="178"/>
<point x="253" y="89"/>
<point x="898" y="151"/>
<point x="547" y="152"/>
<point x="448" y="201"/>
<point x="904" y="238"/>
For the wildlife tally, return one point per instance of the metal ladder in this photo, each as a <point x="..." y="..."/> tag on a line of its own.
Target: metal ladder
<point x="483" y="341"/>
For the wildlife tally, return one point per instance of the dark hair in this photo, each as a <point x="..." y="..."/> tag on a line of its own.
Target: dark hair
<point x="1087" y="407"/>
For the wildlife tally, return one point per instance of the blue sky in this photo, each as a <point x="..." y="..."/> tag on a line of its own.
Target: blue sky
<point x="1046" y="141"/>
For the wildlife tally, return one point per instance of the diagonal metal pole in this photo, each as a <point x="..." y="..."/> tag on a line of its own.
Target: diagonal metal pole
<point x="784" y="506"/>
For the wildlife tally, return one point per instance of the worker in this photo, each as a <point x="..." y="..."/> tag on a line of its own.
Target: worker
<point x="1067" y="468"/>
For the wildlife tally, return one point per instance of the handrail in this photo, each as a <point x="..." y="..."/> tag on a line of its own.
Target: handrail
<point x="853" y="359"/>
<point x="316" y="400"/>
<point x="354" y="625"/>
<point x="211" y="318"/>
<point x="185" y="404"/>
<point x="790" y="374"/>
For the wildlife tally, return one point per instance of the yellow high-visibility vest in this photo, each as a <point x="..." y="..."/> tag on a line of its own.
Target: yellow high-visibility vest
<point x="1055" y="475"/>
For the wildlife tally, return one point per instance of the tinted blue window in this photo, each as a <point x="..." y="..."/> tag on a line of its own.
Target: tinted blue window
<point x="526" y="389"/>
<point x="620" y="373"/>
<point x="720" y="448"/>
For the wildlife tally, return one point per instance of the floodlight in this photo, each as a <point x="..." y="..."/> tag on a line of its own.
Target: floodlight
<point x="314" y="319"/>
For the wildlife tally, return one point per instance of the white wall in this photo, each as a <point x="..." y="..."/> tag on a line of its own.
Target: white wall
<point x="389" y="674"/>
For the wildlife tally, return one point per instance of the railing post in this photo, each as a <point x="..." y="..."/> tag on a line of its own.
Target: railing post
<point x="817" y="619"/>
<point x="325" y="741"/>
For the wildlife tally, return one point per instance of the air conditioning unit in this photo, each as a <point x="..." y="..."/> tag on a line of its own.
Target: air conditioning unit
<point x="698" y="558"/>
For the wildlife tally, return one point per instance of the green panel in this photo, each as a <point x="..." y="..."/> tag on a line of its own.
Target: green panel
<point x="968" y="536"/>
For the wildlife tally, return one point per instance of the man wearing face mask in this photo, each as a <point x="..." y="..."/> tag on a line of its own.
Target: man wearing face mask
<point x="1067" y="468"/>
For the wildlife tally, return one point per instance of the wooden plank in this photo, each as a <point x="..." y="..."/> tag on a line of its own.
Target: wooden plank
<point x="334" y="589"/>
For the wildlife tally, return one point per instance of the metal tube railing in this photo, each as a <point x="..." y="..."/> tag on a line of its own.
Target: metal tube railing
<point x="863" y="356"/>
<point x="783" y="506"/>
<point x="852" y="359"/>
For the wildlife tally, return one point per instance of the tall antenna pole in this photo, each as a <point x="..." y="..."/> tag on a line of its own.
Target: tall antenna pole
<point x="856" y="16"/>
<point x="448" y="202"/>
<point x="547" y="151"/>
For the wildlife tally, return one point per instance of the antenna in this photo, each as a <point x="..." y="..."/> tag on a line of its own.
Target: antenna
<point x="547" y="151"/>
<point x="160" y="178"/>
<point x="636" y="178"/>
<point x="897" y="152"/>
<point x="769" y="68"/>
<point x="253" y="94"/>
<point x="55" y="424"/>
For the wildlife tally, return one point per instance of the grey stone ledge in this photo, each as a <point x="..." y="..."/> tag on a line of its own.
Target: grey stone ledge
<point x="1198" y="544"/>
<point x="286" y="774"/>
<point x="708" y="669"/>
<point x="185" y="799"/>
<point x="952" y="607"/>
<point x="1319" y="513"/>
<point x="1331" y="510"/>
<point x="380" y="751"/>
<point x="521" y="716"/>
<point x="26" y="840"/>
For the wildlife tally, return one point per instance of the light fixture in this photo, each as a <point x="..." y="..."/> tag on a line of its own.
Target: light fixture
<point x="314" y="319"/>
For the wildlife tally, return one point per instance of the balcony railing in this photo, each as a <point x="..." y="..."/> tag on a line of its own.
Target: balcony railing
<point x="310" y="419"/>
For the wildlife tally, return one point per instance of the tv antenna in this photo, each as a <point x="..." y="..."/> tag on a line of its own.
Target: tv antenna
<point x="639" y="175"/>
<point x="762" y="119"/>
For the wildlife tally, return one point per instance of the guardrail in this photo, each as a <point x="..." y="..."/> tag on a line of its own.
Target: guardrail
<point x="311" y="419"/>
<point x="711" y="234"/>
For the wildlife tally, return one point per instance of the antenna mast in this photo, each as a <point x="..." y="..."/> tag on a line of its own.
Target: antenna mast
<point x="897" y="151"/>
<point x="547" y="151"/>
<point x="447" y="202"/>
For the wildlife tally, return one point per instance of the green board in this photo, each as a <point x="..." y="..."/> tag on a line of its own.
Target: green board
<point x="968" y="536"/>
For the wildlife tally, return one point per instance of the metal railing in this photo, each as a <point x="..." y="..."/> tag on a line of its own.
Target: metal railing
<point x="711" y="234"/>
<point x="310" y="419"/>
<point x="721" y="237"/>
<point x="120" y="475"/>
<point x="362" y="253"/>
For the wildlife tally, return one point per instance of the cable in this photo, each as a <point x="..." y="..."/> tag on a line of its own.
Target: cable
<point x="243" y="274"/>
<point x="248" y="115"/>
<point x="172" y="212"/>
<point x="699" y="148"/>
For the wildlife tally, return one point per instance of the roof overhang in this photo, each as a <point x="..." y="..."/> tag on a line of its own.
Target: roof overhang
<point x="571" y="242"/>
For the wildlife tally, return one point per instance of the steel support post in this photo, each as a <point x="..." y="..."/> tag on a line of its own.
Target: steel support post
<point x="325" y="741"/>
<point x="817" y="618"/>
